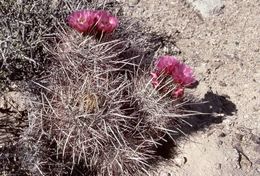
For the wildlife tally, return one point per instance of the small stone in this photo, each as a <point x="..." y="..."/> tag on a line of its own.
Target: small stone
<point x="223" y="84"/>
<point x="239" y="137"/>
<point x="218" y="166"/>
<point x="222" y="134"/>
<point x="220" y="142"/>
<point x="208" y="8"/>
<point x="180" y="161"/>
<point x="133" y="2"/>
<point x="164" y="173"/>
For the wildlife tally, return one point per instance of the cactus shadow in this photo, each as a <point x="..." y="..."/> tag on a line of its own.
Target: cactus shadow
<point x="217" y="106"/>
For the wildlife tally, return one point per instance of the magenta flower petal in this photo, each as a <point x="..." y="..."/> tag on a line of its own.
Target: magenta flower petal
<point x="85" y="20"/>
<point x="188" y="76"/>
<point x="166" y="64"/>
<point x="105" y="22"/>
<point x="183" y="75"/>
<point x="82" y="20"/>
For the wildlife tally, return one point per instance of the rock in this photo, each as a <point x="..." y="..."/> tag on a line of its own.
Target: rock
<point x="133" y="2"/>
<point x="165" y="174"/>
<point x="180" y="161"/>
<point x="220" y="142"/>
<point x="208" y="8"/>
<point x="222" y="135"/>
<point x="238" y="137"/>
<point x="222" y="83"/>
<point x="218" y="166"/>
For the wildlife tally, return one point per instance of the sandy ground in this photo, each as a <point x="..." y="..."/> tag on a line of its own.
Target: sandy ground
<point x="221" y="40"/>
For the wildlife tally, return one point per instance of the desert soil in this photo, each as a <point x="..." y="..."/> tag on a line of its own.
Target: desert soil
<point x="221" y="40"/>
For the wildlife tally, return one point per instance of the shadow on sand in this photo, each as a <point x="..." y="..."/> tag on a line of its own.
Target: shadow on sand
<point x="218" y="107"/>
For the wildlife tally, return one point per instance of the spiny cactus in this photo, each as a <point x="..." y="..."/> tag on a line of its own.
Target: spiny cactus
<point x="94" y="113"/>
<point x="26" y="27"/>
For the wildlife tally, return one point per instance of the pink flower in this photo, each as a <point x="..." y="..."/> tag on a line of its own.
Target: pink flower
<point x="105" y="22"/>
<point x="166" y="64"/>
<point x="86" y="20"/>
<point x="82" y="21"/>
<point x="183" y="75"/>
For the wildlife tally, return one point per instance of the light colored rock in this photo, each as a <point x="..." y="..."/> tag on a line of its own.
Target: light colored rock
<point x="134" y="2"/>
<point x="180" y="161"/>
<point x="129" y="2"/>
<point x="207" y="7"/>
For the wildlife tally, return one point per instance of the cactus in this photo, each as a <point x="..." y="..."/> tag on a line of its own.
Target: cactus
<point x="95" y="113"/>
<point x="95" y="110"/>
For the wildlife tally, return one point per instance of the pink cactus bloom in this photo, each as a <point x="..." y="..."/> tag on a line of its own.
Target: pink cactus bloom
<point x="105" y="22"/>
<point x="178" y="93"/>
<point x="82" y="20"/>
<point x="166" y="64"/>
<point x="183" y="75"/>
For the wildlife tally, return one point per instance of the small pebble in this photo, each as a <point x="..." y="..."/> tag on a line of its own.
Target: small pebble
<point x="218" y="166"/>
<point x="223" y="84"/>
<point x="239" y="136"/>
<point x="222" y="135"/>
<point x="133" y="2"/>
<point x="180" y="161"/>
<point x="220" y="142"/>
